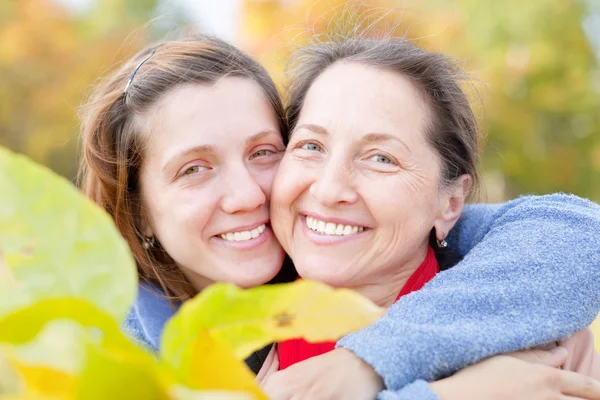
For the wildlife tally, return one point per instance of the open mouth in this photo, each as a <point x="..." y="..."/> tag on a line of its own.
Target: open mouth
<point x="243" y="236"/>
<point x="332" y="229"/>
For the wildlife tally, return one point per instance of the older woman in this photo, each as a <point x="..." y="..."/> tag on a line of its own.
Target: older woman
<point x="380" y="160"/>
<point x="180" y="146"/>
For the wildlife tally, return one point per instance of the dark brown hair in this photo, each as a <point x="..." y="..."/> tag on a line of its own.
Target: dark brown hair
<point x="113" y="142"/>
<point x="452" y="130"/>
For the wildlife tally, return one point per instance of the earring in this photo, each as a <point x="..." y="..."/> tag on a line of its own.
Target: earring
<point x="442" y="244"/>
<point x="148" y="242"/>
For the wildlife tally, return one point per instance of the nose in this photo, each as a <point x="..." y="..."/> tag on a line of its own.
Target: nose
<point x="242" y="191"/>
<point x="333" y="185"/>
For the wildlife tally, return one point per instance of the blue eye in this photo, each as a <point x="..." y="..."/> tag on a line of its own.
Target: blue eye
<point x="382" y="159"/>
<point x="311" y="147"/>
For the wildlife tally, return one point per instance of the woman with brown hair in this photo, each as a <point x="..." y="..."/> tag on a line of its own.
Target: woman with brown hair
<point x="382" y="155"/>
<point x="180" y="146"/>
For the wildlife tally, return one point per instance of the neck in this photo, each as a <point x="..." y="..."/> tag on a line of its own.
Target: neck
<point x="384" y="289"/>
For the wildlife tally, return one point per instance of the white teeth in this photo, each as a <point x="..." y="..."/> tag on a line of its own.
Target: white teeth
<point x="329" y="228"/>
<point x="243" y="235"/>
<point x="320" y="226"/>
<point x="246" y="235"/>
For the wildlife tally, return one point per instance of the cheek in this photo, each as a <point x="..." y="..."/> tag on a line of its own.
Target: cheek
<point x="287" y="187"/>
<point x="264" y="177"/>
<point x="182" y="217"/>
<point x="403" y="202"/>
<point x="289" y="183"/>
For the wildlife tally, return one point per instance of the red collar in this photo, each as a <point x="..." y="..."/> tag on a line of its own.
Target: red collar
<point x="293" y="351"/>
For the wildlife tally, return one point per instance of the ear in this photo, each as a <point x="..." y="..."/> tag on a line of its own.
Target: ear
<point x="452" y="200"/>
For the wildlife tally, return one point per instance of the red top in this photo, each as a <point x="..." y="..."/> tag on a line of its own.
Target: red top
<point x="293" y="351"/>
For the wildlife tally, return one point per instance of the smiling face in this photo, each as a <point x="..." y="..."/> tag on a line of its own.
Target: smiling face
<point x="357" y="192"/>
<point x="206" y="181"/>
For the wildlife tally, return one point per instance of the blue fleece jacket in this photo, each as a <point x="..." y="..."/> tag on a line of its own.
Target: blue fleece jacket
<point x="530" y="275"/>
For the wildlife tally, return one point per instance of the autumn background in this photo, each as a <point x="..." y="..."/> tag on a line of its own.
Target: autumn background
<point x="535" y="63"/>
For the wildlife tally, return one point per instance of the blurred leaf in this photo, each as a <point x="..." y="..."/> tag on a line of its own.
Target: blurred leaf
<point x="205" y="363"/>
<point x="182" y="393"/>
<point x="56" y="243"/>
<point x="247" y="320"/>
<point x="69" y="345"/>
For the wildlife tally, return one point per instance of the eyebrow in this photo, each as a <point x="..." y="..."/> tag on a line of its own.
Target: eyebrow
<point x="206" y="148"/>
<point x="312" y="127"/>
<point x="382" y="137"/>
<point x="262" y="134"/>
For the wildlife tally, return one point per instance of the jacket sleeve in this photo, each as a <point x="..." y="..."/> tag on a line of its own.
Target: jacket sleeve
<point x="530" y="275"/>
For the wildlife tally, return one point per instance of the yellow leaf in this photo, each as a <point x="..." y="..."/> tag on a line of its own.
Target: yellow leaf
<point x="209" y="365"/>
<point x="247" y="320"/>
<point x="47" y="381"/>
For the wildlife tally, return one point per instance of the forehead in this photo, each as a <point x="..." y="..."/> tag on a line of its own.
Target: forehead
<point x="223" y="114"/>
<point x="199" y="105"/>
<point x="365" y="98"/>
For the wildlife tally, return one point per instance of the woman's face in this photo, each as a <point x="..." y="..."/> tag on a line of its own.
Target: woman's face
<point x="356" y="195"/>
<point x="206" y="181"/>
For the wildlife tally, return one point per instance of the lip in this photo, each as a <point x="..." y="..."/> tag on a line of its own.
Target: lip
<point x="245" y="227"/>
<point x="247" y="244"/>
<point x="328" y="240"/>
<point x="334" y="220"/>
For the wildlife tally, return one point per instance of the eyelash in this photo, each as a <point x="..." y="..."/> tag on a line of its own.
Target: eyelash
<point x="253" y="155"/>
<point x="301" y="145"/>
<point x="199" y="167"/>
<point x="390" y="159"/>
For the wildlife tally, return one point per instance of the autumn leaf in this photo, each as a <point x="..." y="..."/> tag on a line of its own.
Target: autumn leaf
<point x="204" y="363"/>
<point x="81" y="349"/>
<point x="247" y="320"/>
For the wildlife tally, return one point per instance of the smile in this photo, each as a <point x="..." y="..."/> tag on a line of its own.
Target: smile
<point x="330" y="228"/>
<point x="244" y="235"/>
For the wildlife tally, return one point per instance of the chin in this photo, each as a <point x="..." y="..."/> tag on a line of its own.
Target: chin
<point x="257" y="272"/>
<point x="325" y="272"/>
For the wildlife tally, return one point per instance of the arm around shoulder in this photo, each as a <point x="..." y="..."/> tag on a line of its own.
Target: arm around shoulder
<point x="529" y="276"/>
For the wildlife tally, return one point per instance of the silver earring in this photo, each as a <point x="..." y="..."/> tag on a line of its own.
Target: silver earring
<point x="148" y="242"/>
<point x="442" y="244"/>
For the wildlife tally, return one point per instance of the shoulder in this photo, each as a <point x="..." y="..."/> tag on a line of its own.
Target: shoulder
<point x="148" y="316"/>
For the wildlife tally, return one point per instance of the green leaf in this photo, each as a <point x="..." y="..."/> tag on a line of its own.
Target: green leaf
<point x="56" y="243"/>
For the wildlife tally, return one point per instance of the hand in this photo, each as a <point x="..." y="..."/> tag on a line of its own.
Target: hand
<point x="338" y="374"/>
<point x="527" y="375"/>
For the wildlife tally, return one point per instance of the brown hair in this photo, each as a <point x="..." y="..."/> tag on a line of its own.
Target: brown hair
<point x="452" y="130"/>
<point x="113" y="146"/>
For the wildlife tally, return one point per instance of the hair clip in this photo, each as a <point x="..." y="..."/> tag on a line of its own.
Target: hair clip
<point x="136" y="69"/>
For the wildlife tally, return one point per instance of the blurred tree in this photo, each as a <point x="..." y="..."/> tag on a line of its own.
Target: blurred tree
<point x="48" y="60"/>
<point x="542" y="99"/>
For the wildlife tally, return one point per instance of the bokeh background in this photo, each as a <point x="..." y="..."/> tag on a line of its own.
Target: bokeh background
<point x="535" y="64"/>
